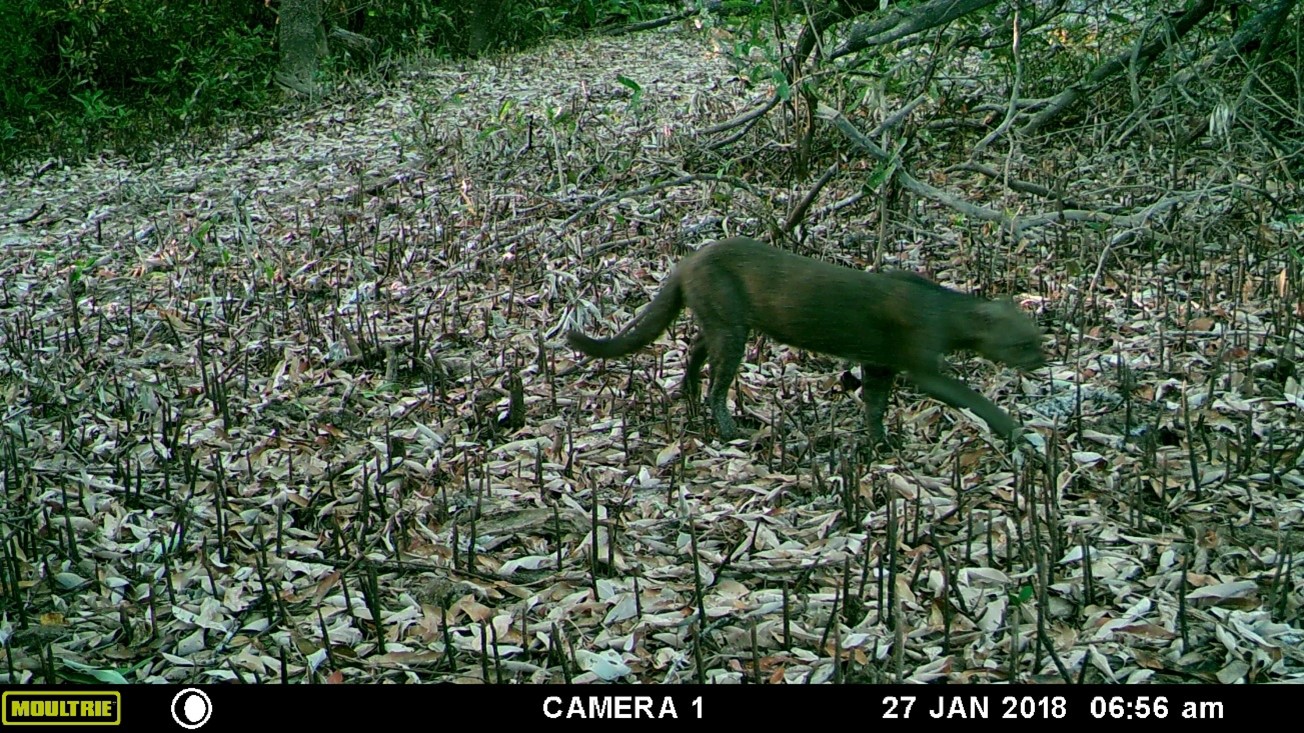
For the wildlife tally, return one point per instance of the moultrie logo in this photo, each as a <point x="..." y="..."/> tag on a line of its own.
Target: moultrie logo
<point x="50" y="707"/>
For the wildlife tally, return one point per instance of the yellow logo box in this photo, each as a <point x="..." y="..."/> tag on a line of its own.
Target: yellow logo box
<point x="50" y="707"/>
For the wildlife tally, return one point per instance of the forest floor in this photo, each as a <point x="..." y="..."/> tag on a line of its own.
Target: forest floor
<point x="294" y="403"/>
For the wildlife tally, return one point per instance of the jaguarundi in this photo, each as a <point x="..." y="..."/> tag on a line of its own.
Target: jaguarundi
<point x="889" y="322"/>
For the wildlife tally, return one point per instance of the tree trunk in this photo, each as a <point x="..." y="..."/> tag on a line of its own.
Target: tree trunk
<point x="482" y="22"/>
<point x="303" y="43"/>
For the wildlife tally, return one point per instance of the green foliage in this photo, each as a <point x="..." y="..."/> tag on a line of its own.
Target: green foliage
<point x="632" y="86"/>
<point x="78" y="76"/>
<point x="592" y="13"/>
<point x="405" y="25"/>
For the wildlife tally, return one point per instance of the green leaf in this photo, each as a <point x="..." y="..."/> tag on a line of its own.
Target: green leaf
<point x="880" y="174"/>
<point x="633" y="86"/>
<point x="107" y="676"/>
<point x="781" y="84"/>
<point x="628" y="82"/>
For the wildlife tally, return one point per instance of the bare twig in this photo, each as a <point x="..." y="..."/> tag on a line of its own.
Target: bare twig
<point x="743" y="118"/>
<point x="799" y="211"/>
<point x="743" y="121"/>
<point x="1021" y="186"/>
<point x="895" y="119"/>
<point x="1012" y="109"/>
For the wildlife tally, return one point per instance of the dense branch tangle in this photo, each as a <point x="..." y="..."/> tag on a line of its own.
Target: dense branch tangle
<point x="897" y="28"/>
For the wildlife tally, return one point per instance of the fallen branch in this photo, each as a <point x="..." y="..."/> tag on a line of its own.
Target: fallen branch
<point x="1122" y="221"/>
<point x="24" y="219"/>
<point x="1020" y="186"/>
<point x="1264" y="28"/>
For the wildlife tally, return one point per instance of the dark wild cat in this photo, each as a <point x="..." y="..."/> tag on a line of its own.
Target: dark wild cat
<point x="889" y="322"/>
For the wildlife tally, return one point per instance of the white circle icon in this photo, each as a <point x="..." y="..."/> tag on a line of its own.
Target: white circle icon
<point x="191" y="708"/>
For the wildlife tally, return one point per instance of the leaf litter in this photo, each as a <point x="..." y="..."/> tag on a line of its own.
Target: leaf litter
<point x="295" y="406"/>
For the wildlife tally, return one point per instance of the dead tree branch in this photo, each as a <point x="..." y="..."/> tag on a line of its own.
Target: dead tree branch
<point x="1264" y="28"/>
<point x="1016" y="85"/>
<point x="714" y="6"/>
<point x="799" y="211"/>
<point x="743" y="121"/>
<point x="821" y="21"/>
<point x="1263" y="25"/>
<point x="1119" y="221"/>
<point x="907" y="181"/>
<point x="1017" y="225"/>
<point x="1141" y="58"/>
<point x="897" y="24"/>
